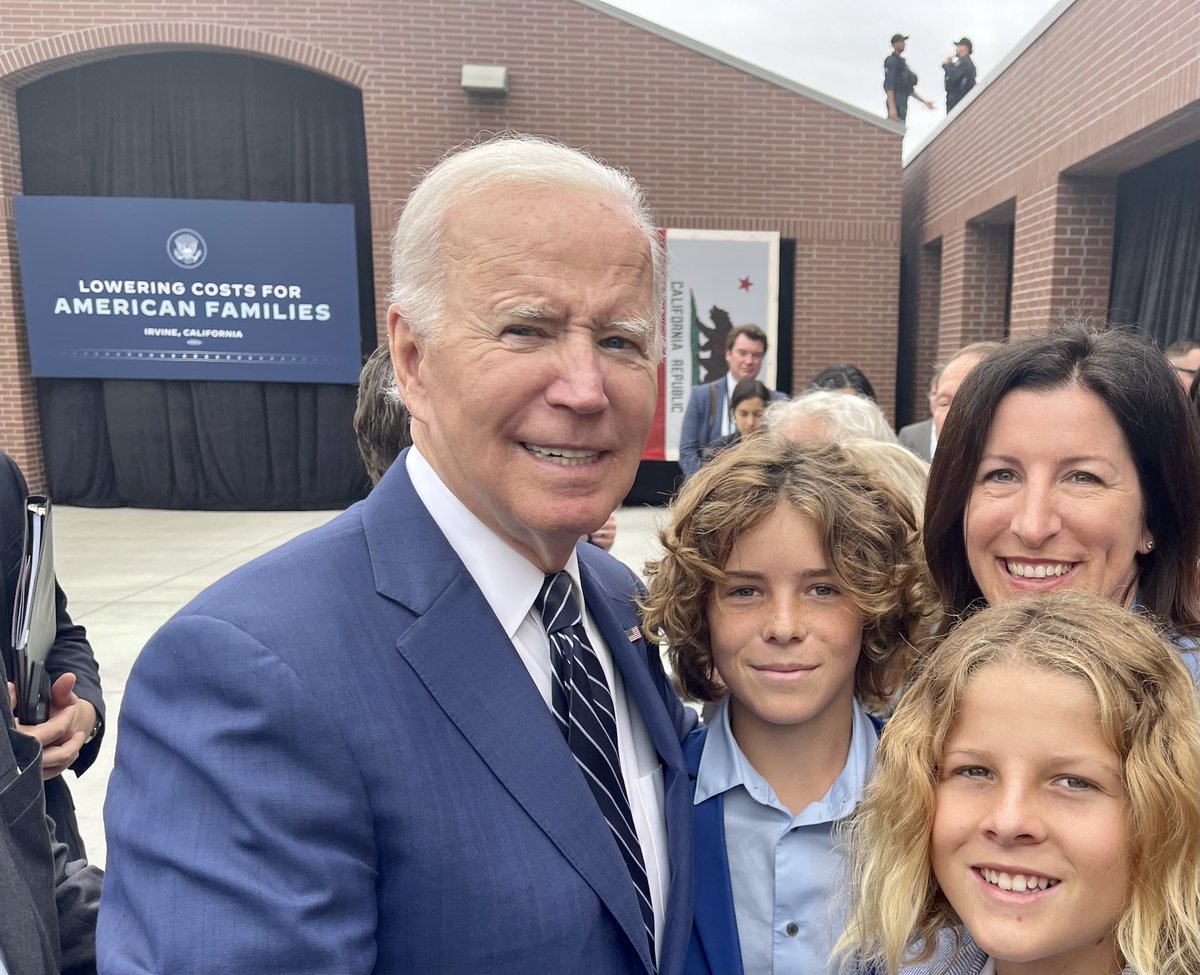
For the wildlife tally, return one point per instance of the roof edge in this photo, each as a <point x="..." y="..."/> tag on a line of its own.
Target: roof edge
<point x="745" y="67"/>
<point x="1023" y="45"/>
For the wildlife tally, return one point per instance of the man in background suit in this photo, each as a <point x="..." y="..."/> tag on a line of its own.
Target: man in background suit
<point x="921" y="438"/>
<point x="707" y="417"/>
<point x="1184" y="356"/>
<point x="372" y="773"/>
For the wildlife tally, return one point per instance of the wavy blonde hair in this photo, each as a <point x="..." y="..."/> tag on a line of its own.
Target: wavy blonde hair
<point x="1146" y="706"/>
<point x="870" y="537"/>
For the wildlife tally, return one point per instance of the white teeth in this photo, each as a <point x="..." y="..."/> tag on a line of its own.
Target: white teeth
<point x="1017" y="882"/>
<point x="562" y="455"/>
<point x="1023" y="570"/>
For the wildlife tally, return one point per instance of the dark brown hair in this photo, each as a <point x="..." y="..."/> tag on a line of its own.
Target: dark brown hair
<point x="1139" y="388"/>
<point x="381" y="423"/>
<point x="752" y="332"/>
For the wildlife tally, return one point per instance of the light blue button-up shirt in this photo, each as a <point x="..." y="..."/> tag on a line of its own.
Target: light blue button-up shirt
<point x="785" y="874"/>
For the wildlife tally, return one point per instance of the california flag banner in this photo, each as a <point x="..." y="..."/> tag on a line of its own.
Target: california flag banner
<point x="716" y="280"/>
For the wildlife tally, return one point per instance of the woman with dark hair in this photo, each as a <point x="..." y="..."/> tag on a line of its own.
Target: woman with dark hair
<point x="747" y="404"/>
<point x="844" y="378"/>
<point x="1069" y="461"/>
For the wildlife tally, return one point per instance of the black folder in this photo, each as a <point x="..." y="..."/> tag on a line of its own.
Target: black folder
<point x="35" y="615"/>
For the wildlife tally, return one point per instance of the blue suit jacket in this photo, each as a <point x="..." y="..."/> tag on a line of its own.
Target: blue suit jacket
<point x="714" y="948"/>
<point x="333" y="761"/>
<point x="702" y="422"/>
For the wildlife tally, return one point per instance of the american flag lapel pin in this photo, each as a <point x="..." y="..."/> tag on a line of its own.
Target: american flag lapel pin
<point x="634" y="633"/>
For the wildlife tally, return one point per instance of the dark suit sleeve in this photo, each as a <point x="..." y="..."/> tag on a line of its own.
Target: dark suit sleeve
<point x="77" y="895"/>
<point x="71" y="652"/>
<point x="238" y="825"/>
<point x="691" y="437"/>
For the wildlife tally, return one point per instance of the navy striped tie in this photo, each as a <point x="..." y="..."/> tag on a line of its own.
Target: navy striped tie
<point x="581" y="702"/>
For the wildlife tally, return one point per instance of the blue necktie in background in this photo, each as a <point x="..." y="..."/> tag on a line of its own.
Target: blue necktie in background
<point x="582" y="703"/>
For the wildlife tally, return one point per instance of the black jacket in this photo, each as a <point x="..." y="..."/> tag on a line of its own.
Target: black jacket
<point x="960" y="79"/>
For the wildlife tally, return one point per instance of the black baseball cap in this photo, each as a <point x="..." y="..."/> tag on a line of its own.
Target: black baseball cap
<point x="898" y="37"/>
<point x="967" y="42"/>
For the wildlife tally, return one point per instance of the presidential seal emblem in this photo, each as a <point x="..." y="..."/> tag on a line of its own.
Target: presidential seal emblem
<point x="186" y="248"/>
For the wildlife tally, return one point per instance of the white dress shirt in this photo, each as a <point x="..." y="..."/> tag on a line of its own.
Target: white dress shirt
<point x="727" y="426"/>
<point x="510" y="583"/>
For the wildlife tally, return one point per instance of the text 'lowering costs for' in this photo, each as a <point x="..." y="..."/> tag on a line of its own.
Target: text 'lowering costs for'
<point x="189" y="289"/>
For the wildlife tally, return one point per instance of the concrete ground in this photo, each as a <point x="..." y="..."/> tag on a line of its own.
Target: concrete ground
<point x="125" y="571"/>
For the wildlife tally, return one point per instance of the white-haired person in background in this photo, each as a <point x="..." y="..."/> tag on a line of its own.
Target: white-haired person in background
<point x="825" y="415"/>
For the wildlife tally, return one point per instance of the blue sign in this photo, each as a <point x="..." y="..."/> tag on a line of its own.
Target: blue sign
<point x="189" y="289"/>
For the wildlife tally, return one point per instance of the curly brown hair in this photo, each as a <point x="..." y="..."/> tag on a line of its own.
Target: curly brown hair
<point x="868" y="529"/>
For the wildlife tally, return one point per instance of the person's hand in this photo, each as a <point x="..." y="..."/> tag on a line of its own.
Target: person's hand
<point x="63" y="734"/>
<point x="604" y="536"/>
<point x="949" y="59"/>
<point x="928" y="104"/>
<point x="893" y="117"/>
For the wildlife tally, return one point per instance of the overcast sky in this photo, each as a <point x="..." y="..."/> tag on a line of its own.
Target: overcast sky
<point x="838" y="47"/>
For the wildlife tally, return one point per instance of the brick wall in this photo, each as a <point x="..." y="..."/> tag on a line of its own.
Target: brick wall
<point x="973" y="281"/>
<point x="1041" y="144"/>
<point x="1062" y="252"/>
<point x="714" y="146"/>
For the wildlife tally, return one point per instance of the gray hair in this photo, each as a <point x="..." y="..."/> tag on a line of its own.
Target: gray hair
<point x="842" y="416"/>
<point x="897" y="465"/>
<point x="980" y="349"/>
<point x="418" y="269"/>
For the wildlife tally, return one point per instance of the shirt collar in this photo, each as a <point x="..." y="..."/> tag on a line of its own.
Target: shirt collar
<point x="723" y="767"/>
<point x="509" y="582"/>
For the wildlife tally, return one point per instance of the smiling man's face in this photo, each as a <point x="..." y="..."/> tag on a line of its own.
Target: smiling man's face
<point x="534" y="400"/>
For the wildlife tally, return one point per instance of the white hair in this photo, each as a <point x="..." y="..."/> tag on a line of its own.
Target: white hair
<point x="840" y="416"/>
<point x="897" y="465"/>
<point x="418" y="268"/>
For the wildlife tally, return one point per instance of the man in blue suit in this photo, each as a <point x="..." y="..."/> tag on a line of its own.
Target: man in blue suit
<point x="349" y="756"/>
<point x="707" y="416"/>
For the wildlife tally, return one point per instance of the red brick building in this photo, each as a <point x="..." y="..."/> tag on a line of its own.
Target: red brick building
<point x="1010" y="208"/>
<point x="717" y="143"/>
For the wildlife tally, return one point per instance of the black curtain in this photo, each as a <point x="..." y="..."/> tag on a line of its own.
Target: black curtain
<point x="1156" y="253"/>
<point x="208" y="126"/>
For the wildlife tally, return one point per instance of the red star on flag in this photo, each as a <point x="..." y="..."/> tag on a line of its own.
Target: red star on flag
<point x="743" y="284"/>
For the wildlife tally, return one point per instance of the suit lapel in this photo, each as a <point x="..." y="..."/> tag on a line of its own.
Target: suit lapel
<point x="716" y="922"/>
<point x="722" y="408"/>
<point x="715" y="919"/>
<point x="461" y="654"/>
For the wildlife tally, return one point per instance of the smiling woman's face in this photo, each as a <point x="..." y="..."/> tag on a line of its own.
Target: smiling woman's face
<point x="1056" y="501"/>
